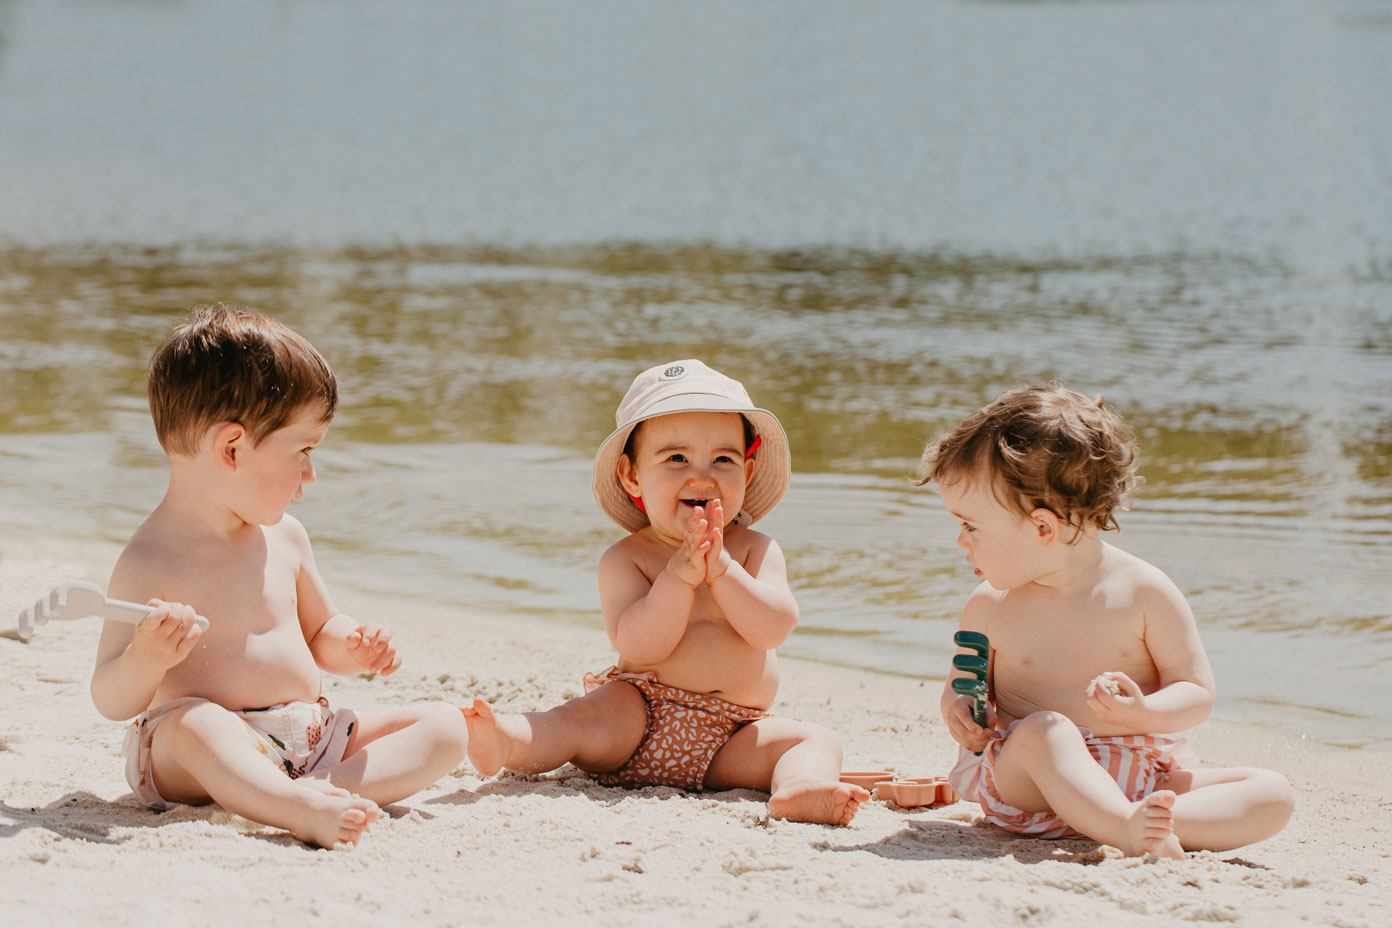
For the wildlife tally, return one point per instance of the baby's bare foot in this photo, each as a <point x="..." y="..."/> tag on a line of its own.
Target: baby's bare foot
<point x="1151" y="827"/>
<point x="815" y="799"/>
<point x="486" y="744"/>
<point x="331" y="820"/>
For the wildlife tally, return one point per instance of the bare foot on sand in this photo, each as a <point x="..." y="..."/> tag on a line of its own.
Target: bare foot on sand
<point x="330" y="820"/>
<point x="814" y="799"/>
<point x="487" y="748"/>
<point x="1151" y="827"/>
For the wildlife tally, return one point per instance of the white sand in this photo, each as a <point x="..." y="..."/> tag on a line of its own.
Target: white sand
<point x="76" y="849"/>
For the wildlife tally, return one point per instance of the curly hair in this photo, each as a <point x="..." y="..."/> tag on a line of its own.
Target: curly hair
<point x="1043" y="446"/>
<point x="233" y="364"/>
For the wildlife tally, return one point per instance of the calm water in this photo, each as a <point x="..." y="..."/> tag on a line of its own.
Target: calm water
<point x="876" y="215"/>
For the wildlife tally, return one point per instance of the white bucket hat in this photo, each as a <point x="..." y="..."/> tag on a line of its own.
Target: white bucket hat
<point x="691" y="386"/>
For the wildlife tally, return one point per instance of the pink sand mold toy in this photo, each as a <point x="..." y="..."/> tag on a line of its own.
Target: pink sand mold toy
<point x="913" y="792"/>
<point x="866" y="778"/>
<point x="73" y="599"/>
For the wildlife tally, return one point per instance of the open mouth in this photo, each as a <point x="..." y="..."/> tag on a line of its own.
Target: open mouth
<point x="694" y="502"/>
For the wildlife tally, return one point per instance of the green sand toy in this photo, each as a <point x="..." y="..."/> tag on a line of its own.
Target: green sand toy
<point x="979" y="666"/>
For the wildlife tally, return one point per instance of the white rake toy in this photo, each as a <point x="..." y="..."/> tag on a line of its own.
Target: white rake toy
<point x="73" y="599"/>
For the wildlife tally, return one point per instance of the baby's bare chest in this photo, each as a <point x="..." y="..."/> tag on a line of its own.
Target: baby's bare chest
<point x="246" y="592"/>
<point x="1068" y="647"/>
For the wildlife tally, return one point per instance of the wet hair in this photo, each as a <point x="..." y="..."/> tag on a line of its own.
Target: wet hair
<point x="233" y="364"/>
<point x="1043" y="446"/>
<point x="631" y="443"/>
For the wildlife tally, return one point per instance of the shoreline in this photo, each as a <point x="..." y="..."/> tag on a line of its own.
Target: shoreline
<point x="559" y="849"/>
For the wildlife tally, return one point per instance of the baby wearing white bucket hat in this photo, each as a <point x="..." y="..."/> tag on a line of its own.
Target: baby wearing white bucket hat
<point x="691" y="386"/>
<point x="695" y="602"/>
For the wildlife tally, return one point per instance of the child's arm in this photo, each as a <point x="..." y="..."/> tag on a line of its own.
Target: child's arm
<point x="132" y="660"/>
<point x="646" y="619"/>
<point x="1186" y="690"/>
<point x="338" y="642"/>
<point x="754" y="597"/>
<point x="957" y="708"/>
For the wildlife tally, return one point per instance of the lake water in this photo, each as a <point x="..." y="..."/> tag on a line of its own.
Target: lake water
<point x="876" y="215"/>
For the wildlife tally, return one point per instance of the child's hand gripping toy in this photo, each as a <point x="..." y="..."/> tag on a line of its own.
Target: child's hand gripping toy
<point x="73" y="599"/>
<point x="978" y="665"/>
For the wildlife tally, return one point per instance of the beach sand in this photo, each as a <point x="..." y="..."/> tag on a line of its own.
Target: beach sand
<point x="76" y="848"/>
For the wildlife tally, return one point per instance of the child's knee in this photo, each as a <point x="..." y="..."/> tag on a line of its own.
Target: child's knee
<point x="614" y="706"/>
<point x="823" y="739"/>
<point x="1275" y="794"/>
<point x="1038" y="728"/>
<point x="190" y="731"/>
<point x="446" y="730"/>
<point x="197" y="722"/>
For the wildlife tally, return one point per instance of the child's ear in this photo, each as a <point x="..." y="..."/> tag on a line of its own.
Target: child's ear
<point x="749" y="469"/>
<point x="1046" y="524"/>
<point x="228" y="439"/>
<point x="628" y="477"/>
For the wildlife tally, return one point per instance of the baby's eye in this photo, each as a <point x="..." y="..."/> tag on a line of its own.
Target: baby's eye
<point x="724" y="459"/>
<point x="968" y="528"/>
<point x="678" y="459"/>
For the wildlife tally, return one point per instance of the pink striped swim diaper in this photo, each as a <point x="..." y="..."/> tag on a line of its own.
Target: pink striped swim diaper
<point x="1140" y="764"/>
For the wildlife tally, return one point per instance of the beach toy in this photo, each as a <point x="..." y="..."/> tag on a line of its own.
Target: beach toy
<point x="976" y="689"/>
<point x="973" y="641"/>
<point x="912" y="792"/>
<point x="73" y="599"/>
<point x="979" y="666"/>
<point x="866" y="778"/>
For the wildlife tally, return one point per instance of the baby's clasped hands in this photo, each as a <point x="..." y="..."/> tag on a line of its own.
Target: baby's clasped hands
<point x="702" y="557"/>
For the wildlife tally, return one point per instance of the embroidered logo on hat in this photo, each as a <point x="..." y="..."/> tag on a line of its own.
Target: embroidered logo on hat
<point x="675" y="372"/>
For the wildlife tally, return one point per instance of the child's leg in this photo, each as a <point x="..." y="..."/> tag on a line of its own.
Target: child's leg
<point x="203" y="753"/>
<point x="597" y="732"/>
<point x="798" y="762"/>
<point x="399" y="751"/>
<point x="1045" y="766"/>
<point x="1218" y="810"/>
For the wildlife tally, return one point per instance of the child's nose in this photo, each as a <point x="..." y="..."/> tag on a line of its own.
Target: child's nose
<point x="307" y="472"/>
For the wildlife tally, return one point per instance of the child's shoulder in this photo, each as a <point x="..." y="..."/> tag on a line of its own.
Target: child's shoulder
<point x="632" y="542"/>
<point x="1129" y="579"/>
<point x="983" y="601"/>
<point x="145" y="561"/>
<point x="291" y="529"/>
<point x="1120" y="566"/>
<point x="154" y="539"/>
<point x="741" y="538"/>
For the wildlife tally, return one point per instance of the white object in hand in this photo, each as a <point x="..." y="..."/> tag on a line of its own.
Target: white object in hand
<point x="73" y="599"/>
<point x="1107" y="683"/>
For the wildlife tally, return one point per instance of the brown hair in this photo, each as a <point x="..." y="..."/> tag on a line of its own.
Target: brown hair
<point x="1043" y="446"/>
<point x="233" y="364"/>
